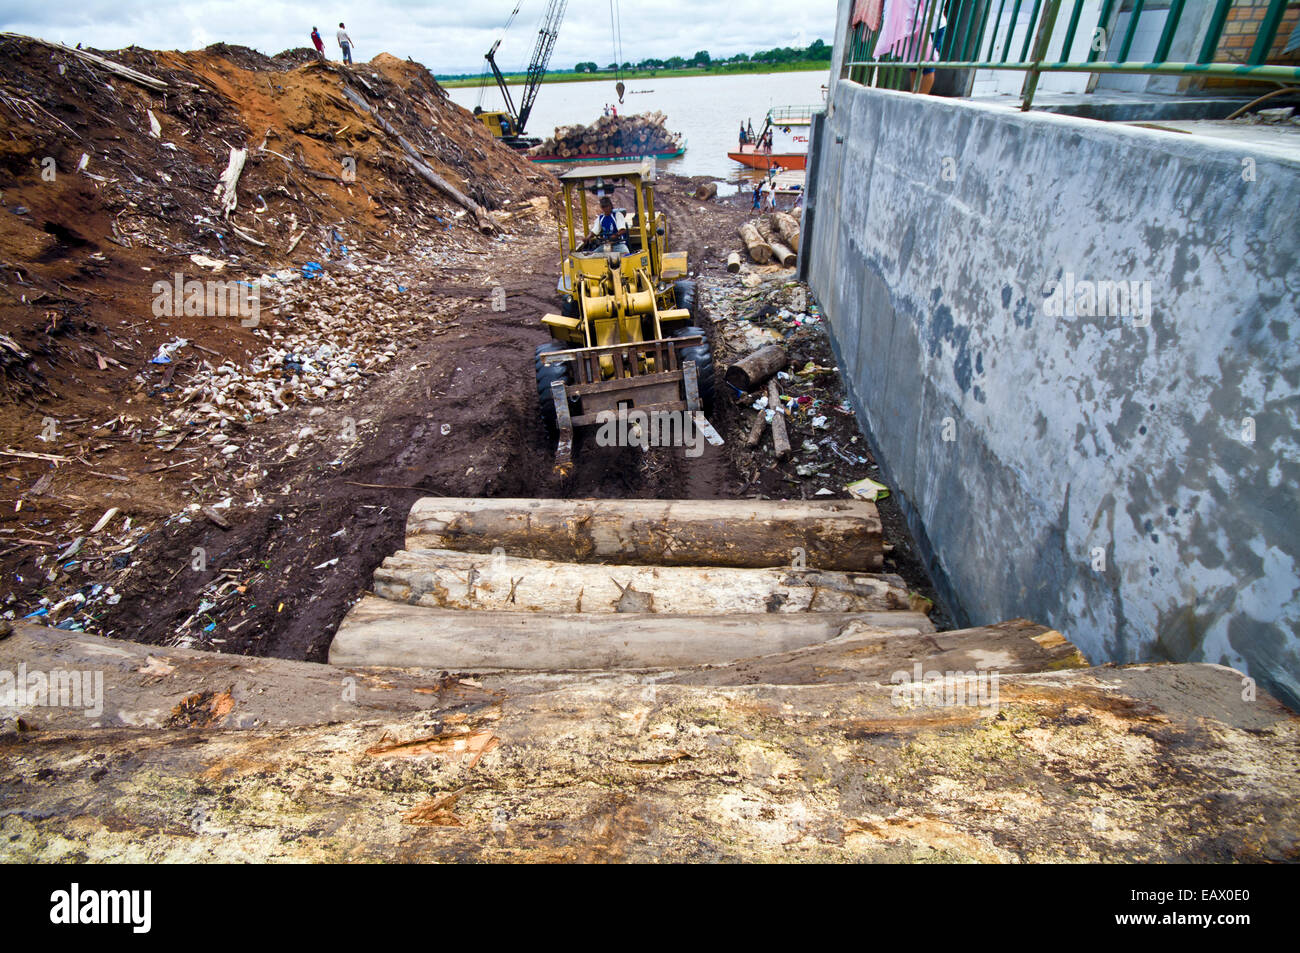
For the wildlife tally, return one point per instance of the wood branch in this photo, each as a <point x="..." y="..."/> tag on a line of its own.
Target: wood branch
<point x="485" y="221"/>
<point x="379" y="632"/>
<point x="753" y="369"/>
<point x="446" y="579"/>
<point x="780" y="437"/>
<point x="225" y="192"/>
<point x="758" y="249"/>
<point x="756" y="430"/>
<point x="836" y="534"/>
<point x="135" y="76"/>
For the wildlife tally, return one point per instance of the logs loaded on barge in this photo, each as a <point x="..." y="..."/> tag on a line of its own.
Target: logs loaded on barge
<point x="611" y="137"/>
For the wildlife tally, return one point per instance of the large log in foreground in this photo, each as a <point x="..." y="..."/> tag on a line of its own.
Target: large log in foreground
<point x="380" y="632"/>
<point x="837" y="534"/>
<point x="446" y="579"/>
<point x="1128" y="764"/>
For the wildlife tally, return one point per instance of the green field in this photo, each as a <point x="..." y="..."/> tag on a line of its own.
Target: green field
<point x="568" y="76"/>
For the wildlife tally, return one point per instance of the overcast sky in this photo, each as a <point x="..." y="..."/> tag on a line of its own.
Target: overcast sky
<point x="447" y="37"/>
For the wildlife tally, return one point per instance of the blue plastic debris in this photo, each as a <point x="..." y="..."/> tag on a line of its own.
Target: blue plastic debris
<point x="313" y="269"/>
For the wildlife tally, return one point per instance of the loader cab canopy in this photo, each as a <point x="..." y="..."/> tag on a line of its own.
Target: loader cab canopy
<point x="586" y="185"/>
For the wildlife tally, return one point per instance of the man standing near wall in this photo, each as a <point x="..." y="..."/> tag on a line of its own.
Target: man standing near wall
<point x="345" y="44"/>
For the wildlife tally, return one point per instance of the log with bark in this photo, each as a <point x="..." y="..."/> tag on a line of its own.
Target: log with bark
<point x="733" y="262"/>
<point x="755" y="369"/>
<point x="787" y="226"/>
<point x="447" y="579"/>
<point x="758" y="249"/>
<point x="784" y="255"/>
<point x="588" y="767"/>
<point x="835" y="534"/>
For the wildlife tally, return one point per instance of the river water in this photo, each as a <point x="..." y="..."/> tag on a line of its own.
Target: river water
<point x="706" y="110"/>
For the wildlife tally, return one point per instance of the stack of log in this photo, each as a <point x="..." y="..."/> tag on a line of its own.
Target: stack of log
<point x="771" y="238"/>
<point x="590" y="584"/>
<point x="642" y="134"/>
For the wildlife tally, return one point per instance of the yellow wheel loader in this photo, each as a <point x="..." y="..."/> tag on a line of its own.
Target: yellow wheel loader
<point x="626" y="343"/>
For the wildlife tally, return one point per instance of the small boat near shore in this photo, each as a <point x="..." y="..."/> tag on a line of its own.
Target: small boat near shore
<point x="781" y="143"/>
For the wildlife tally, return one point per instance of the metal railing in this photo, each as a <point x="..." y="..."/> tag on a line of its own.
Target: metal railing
<point x="793" y="115"/>
<point x="965" y="34"/>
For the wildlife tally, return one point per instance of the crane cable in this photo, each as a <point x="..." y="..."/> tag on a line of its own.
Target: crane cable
<point x="616" y="27"/>
<point x="483" y="80"/>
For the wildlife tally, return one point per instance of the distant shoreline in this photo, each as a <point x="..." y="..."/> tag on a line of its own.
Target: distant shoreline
<point x="516" y="79"/>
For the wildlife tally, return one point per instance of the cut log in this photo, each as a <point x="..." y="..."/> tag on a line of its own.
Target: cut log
<point x="780" y="436"/>
<point x="751" y="371"/>
<point x="836" y="534"/>
<point x="733" y="262"/>
<point x="446" y="579"/>
<point x="707" y="191"/>
<point x="785" y="256"/>
<point x="787" y="226"/>
<point x="758" y="249"/>
<point x="379" y="632"/>
<point x="782" y="253"/>
<point x="756" y="431"/>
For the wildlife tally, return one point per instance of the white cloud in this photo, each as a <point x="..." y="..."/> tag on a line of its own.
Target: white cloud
<point x="446" y="37"/>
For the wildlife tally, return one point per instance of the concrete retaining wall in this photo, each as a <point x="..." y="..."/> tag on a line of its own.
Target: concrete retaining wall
<point x="1129" y="477"/>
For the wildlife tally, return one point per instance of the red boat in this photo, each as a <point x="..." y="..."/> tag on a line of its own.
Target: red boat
<point x="765" y="159"/>
<point x="785" y="140"/>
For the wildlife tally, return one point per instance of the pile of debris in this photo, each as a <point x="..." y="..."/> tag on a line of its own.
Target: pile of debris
<point x="643" y="134"/>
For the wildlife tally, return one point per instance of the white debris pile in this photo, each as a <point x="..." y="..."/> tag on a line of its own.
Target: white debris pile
<point x="337" y="331"/>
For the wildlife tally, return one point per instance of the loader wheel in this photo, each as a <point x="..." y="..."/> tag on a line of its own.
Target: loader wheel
<point x="685" y="290"/>
<point x="702" y="355"/>
<point x="546" y="375"/>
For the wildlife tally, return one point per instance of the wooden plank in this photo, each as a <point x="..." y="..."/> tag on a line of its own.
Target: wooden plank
<point x="836" y="534"/>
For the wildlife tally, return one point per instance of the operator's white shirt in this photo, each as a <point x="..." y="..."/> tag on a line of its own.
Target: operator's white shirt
<point x="620" y="223"/>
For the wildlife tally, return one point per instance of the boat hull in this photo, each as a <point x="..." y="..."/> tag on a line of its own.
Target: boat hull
<point x="765" y="161"/>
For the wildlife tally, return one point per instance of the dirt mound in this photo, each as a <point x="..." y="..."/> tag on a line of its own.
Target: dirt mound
<point x="108" y="167"/>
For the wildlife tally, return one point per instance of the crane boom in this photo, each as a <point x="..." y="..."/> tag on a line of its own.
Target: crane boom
<point x="550" y="29"/>
<point x="541" y="56"/>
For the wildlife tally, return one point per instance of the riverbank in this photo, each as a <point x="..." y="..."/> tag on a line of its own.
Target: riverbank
<point x="458" y="81"/>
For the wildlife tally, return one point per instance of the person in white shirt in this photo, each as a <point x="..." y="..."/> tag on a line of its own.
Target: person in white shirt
<point x="610" y="227"/>
<point x="345" y="44"/>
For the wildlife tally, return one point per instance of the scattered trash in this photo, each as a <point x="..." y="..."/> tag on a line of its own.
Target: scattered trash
<point x="867" y="489"/>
